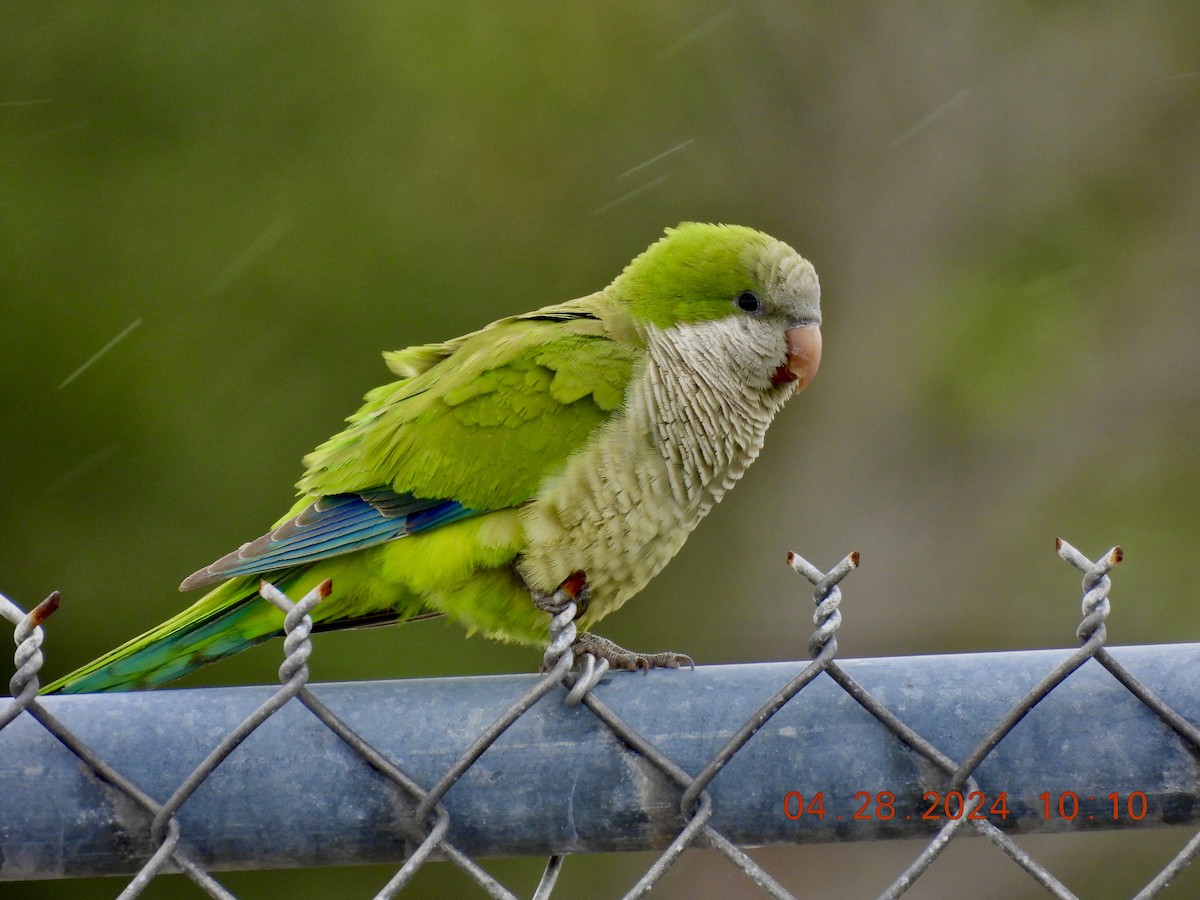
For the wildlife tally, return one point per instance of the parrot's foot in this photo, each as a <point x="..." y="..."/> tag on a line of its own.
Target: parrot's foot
<point x="620" y="658"/>
<point x="574" y="589"/>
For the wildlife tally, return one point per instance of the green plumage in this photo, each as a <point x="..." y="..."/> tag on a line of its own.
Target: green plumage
<point x="446" y="492"/>
<point x="522" y="393"/>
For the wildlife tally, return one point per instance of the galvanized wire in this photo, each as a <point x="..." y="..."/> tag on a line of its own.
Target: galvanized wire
<point x="427" y="826"/>
<point x="28" y="636"/>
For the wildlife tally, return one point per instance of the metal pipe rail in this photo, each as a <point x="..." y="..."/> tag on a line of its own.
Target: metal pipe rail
<point x="1090" y="755"/>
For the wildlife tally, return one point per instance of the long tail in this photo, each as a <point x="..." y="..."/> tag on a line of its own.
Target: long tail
<point x="222" y="622"/>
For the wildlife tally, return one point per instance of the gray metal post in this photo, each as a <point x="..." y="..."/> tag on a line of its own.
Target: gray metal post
<point x="559" y="781"/>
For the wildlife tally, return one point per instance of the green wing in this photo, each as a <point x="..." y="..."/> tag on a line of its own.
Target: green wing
<point x="481" y="420"/>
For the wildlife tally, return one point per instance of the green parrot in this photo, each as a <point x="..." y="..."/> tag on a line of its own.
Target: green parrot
<point x="574" y="447"/>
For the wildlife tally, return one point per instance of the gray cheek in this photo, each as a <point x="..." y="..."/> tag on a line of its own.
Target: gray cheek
<point x="761" y="348"/>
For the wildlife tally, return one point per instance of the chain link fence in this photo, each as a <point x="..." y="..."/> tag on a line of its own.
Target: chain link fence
<point x="579" y="761"/>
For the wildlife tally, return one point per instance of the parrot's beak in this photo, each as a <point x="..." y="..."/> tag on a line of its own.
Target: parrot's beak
<point x="803" y="356"/>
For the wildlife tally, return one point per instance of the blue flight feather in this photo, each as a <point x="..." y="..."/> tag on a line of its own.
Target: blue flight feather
<point x="332" y="526"/>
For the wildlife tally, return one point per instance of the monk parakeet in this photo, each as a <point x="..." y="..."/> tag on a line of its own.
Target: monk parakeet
<point x="588" y="437"/>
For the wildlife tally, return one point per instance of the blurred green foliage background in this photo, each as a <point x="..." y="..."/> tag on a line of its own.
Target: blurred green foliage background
<point x="243" y="203"/>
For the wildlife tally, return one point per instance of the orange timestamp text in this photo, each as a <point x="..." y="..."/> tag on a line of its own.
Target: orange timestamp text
<point x="974" y="805"/>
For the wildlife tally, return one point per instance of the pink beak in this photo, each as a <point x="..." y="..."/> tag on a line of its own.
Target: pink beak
<point x="803" y="356"/>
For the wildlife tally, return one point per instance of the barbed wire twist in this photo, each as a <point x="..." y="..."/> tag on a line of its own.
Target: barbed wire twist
<point x="28" y="636"/>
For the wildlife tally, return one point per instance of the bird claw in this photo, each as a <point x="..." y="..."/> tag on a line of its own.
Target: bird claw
<point x="620" y="658"/>
<point x="574" y="589"/>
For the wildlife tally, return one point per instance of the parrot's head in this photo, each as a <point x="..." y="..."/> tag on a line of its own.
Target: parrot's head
<point x="755" y="299"/>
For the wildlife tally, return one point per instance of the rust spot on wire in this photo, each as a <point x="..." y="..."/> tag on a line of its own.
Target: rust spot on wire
<point x="45" y="609"/>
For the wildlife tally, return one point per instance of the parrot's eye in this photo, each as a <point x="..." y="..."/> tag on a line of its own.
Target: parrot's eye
<point x="748" y="301"/>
